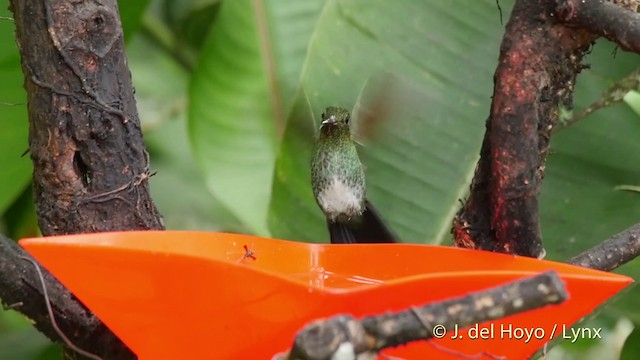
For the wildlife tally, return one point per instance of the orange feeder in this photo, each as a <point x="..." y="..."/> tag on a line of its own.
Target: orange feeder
<point x="178" y="294"/>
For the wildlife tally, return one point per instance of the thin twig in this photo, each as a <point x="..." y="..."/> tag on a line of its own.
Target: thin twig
<point x="12" y="306"/>
<point x="91" y="102"/>
<point x="611" y="96"/>
<point x="462" y="355"/>
<point x="135" y="182"/>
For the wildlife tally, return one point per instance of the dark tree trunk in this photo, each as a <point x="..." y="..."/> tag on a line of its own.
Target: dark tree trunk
<point x="91" y="168"/>
<point x="90" y="163"/>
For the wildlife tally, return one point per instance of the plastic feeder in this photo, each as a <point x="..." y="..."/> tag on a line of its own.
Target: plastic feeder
<point x="199" y="295"/>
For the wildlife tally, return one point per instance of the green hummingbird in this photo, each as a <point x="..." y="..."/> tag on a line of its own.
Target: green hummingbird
<point x="338" y="183"/>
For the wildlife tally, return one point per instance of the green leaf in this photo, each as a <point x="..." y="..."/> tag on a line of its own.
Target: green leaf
<point x="293" y="212"/>
<point x="19" y="340"/>
<point x="16" y="169"/>
<point x="162" y="103"/>
<point x="20" y="219"/>
<point x="422" y="162"/>
<point x="241" y="92"/>
<point x="631" y="348"/>
<point x="131" y="15"/>
<point x="580" y="206"/>
<point x="191" y="19"/>
<point x="194" y="208"/>
<point x="28" y="344"/>
<point x="160" y="98"/>
<point x="633" y="100"/>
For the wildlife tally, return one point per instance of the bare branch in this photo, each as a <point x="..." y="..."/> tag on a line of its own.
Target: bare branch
<point x="611" y="96"/>
<point x="613" y="252"/>
<point x="608" y="19"/>
<point x="324" y="338"/>
<point x="21" y="288"/>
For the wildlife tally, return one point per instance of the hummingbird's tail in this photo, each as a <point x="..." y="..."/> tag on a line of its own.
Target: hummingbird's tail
<point x="340" y="233"/>
<point x="371" y="229"/>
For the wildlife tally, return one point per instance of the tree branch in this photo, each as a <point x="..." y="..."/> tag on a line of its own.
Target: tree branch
<point x="540" y="58"/>
<point x="539" y="62"/>
<point x="612" y="20"/>
<point x="324" y="338"/>
<point x="21" y="290"/>
<point x="613" y="252"/>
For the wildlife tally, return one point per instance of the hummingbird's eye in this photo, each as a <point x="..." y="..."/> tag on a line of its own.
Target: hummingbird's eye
<point x="347" y="119"/>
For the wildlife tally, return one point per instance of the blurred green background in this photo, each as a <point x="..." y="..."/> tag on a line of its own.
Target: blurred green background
<point x="229" y="93"/>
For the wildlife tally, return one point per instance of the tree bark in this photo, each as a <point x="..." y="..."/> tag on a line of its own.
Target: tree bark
<point x="90" y="163"/>
<point x="21" y="290"/>
<point x="540" y="58"/>
<point x="325" y="338"/>
<point x="91" y="167"/>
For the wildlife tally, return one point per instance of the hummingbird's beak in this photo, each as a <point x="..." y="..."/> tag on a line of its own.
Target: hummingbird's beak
<point x="331" y="120"/>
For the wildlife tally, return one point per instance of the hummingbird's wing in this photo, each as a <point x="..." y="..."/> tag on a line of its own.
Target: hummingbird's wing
<point x="370" y="229"/>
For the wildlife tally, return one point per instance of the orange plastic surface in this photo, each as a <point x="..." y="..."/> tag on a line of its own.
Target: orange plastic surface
<point x="175" y="295"/>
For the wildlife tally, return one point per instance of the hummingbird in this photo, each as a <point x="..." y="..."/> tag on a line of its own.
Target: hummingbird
<point x="338" y="183"/>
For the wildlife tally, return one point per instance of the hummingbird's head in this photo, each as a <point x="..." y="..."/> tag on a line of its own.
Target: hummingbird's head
<point x="335" y="120"/>
<point x="335" y="116"/>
